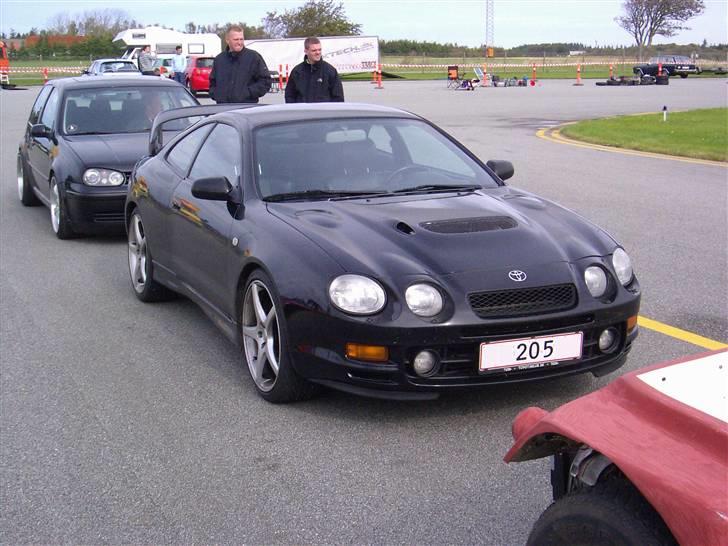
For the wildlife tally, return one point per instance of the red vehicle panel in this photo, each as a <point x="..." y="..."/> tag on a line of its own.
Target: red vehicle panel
<point x="197" y="74"/>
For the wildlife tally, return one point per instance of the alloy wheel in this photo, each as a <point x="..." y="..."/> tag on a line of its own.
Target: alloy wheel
<point x="137" y="254"/>
<point x="261" y="335"/>
<point x="55" y="207"/>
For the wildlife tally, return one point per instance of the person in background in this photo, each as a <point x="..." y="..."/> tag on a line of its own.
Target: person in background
<point x="238" y="74"/>
<point x="314" y="80"/>
<point x="179" y="63"/>
<point x="146" y="61"/>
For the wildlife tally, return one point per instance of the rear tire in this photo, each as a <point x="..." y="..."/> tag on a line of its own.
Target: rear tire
<point x="25" y="191"/>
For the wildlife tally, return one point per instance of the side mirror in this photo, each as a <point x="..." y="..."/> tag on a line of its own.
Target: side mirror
<point x="216" y="188"/>
<point x="40" y="131"/>
<point x="504" y="169"/>
<point x="85" y="72"/>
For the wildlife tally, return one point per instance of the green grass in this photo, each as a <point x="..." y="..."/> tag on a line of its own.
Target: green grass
<point x="701" y="134"/>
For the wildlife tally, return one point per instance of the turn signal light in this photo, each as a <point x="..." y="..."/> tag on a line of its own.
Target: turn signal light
<point x="631" y="323"/>
<point x="367" y="353"/>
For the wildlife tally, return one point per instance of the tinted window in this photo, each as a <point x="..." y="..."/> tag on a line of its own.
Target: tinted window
<point x="183" y="152"/>
<point x="50" y="111"/>
<point x="219" y="156"/>
<point x="38" y="104"/>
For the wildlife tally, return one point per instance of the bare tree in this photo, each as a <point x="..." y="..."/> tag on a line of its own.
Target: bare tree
<point x="644" y="19"/>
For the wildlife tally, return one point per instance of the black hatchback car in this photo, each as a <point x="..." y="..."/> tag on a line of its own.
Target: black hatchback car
<point x="362" y="248"/>
<point x="83" y="137"/>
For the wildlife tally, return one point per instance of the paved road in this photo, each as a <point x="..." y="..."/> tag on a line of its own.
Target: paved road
<point x="124" y="422"/>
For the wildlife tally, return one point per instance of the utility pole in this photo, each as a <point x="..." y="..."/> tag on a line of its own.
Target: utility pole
<point x="489" y="26"/>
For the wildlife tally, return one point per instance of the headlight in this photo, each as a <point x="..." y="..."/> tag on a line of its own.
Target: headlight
<point x="596" y="281"/>
<point x="622" y="266"/>
<point x="424" y="300"/>
<point x="102" y="177"/>
<point x="357" y="295"/>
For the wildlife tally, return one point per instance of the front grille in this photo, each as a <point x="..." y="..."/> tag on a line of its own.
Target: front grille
<point x="523" y="301"/>
<point x="470" y="225"/>
<point x="109" y="217"/>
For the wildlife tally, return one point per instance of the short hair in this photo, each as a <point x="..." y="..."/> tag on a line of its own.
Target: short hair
<point x="178" y="47"/>
<point x="309" y="41"/>
<point x="234" y="28"/>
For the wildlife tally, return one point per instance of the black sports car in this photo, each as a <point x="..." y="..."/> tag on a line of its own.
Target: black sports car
<point x="362" y="248"/>
<point x="83" y="137"/>
<point x="672" y="65"/>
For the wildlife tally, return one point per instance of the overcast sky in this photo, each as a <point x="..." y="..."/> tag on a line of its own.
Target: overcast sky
<point x="460" y="21"/>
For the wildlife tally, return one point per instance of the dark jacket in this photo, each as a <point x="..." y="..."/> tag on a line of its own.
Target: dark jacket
<point x="241" y="77"/>
<point x="318" y="82"/>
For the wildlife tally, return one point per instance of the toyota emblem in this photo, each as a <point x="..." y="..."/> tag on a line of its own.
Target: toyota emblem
<point x="517" y="275"/>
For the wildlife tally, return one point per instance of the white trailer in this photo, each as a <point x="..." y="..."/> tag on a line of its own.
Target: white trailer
<point x="348" y="54"/>
<point x="164" y="41"/>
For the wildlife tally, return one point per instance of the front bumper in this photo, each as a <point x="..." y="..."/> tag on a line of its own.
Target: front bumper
<point x="318" y="350"/>
<point x="95" y="210"/>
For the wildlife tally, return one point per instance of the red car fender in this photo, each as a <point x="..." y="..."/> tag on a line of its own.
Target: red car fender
<point x="675" y="454"/>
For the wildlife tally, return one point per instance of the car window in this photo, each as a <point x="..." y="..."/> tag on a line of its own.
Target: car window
<point x="219" y="155"/>
<point x="39" y="103"/>
<point x="50" y="111"/>
<point x="118" y="66"/>
<point x="183" y="152"/>
<point x="425" y="148"/>
<point x="205" y="63"/>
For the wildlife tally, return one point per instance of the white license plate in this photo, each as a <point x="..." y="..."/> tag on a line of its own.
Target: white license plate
<point x="516" y="353"/>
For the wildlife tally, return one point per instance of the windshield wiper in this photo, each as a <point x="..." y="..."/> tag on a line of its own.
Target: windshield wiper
<point x="313" y="194"/>
<point x="427" y="188"/>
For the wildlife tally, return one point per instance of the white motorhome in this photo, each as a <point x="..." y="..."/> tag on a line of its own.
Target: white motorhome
<point x="164" y="41"/>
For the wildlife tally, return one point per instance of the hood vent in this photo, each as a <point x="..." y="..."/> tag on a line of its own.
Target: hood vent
<point x="470" y="225"/>
<point x="405" y="228"/>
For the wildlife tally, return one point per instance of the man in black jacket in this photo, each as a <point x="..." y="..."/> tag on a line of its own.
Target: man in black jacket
<point x="238" y="74"/>
<point x="314" y="80"/>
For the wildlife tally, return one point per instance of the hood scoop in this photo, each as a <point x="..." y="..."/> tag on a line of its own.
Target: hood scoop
<point x="470" y="225"/>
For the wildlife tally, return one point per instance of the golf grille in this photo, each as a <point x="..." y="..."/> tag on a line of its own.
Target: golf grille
<point x="523" y="301"/>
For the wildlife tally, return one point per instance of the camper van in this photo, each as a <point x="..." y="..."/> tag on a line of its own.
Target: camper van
<point x="164" y="41"/>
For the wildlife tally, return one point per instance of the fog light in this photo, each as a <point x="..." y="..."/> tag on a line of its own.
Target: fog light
<point x="425" y="363"/>
<point x="608" y="340"/>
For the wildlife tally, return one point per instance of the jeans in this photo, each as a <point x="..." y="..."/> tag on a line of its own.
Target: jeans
<point x="179" y="77"/>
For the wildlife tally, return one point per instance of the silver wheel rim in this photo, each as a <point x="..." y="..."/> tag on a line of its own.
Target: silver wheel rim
<point x="137" y="254"/>
<point x="55" y="207"/>
<point x="21" y="182"/>
<point x="261" y="336"/>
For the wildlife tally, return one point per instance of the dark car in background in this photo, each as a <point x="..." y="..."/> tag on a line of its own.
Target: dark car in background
<point x="197" y="74"/>
<point x="362" y="248"/>
<point x="82" y="139"/>
<point x="672" y="65"/>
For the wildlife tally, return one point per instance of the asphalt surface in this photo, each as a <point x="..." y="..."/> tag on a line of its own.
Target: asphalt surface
<point x="122" y="422"/>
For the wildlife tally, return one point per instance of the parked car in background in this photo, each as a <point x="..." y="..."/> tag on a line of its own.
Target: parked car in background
<point x="112" y="67"/>
<point x="83" y="137"/>
<point x="163" y="67"/>
<point x="197" y="74"/>
<point x="641" y="461"/>
<point x="672" y="65"/>
<point x="361" y="248"/>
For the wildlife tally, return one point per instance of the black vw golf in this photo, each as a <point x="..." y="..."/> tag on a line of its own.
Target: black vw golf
<point x="82" y="139"/>
<point x="362" y="248"/>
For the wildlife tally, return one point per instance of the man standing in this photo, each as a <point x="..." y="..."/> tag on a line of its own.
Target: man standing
<point x="314" y="80"/>
<point x="146" y="61"/>
<point x="238" y="74"/>
<point x="179" y="63"/>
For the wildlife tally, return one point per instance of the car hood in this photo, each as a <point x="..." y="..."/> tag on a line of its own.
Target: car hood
<point x="120" y="151"/>
<point x="442" y="234"/>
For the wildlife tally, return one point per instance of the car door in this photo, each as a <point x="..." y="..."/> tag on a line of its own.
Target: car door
<point x="41" y="150"/>
<point x="201" y="228"/>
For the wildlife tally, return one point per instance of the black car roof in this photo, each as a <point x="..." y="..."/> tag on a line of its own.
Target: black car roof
<point x="268" y="114"/>
<point x="87" y="82"/>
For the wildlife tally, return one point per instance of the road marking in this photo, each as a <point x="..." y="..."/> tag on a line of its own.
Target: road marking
<point x="554" y="135"/>
<point x="682" y="335"/>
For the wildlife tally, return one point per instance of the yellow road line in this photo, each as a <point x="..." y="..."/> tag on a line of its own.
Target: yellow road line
<point x="682" y="335"/>
<point x="554" y="135"/>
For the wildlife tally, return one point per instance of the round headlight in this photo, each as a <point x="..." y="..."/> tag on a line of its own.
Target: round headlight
<point x="92" y="177"/>
<point x="622" y="266"/>
<point x="423" y="300"/>
<point x="596" y="281"/>
<point x="357" y="295"/>
<point x="116" y="178"/>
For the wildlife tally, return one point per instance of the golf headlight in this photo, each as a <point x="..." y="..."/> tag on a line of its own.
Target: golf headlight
<point x="102" y="177"/>
<point x="596" y="281"/>
<point x="357" y="295"/>
<point x="423" y="300"/>
<point x="622" y="266"/>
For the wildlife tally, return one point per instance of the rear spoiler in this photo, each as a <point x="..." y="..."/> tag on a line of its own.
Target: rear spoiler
<point x="155" y="135"/>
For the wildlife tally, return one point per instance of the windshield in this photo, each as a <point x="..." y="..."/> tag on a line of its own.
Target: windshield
<point x="348" y="157"/>
<point x="118" y="66"/>
<point x="121" y="110"/>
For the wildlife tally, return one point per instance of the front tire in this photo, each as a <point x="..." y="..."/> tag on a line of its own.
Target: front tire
<point x="265" y="344"/>
<point x="140" y="264"/>
<point x="59" y="215"/>
<point x="25" y="191"/>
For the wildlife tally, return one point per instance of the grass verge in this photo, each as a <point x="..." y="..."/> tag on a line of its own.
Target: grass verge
<point x="701" y="134"/>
